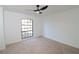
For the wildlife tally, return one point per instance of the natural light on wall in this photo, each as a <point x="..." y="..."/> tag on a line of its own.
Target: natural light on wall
<point x="27" y="30"/>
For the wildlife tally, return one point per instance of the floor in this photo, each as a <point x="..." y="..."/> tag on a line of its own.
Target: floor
<point x="39" y="45"/>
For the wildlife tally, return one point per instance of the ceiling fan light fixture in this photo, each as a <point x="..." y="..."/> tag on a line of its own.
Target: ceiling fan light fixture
<point x="37" y="12"/>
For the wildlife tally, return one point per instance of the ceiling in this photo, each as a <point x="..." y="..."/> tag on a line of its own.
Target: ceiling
<point x="29" y="8"/>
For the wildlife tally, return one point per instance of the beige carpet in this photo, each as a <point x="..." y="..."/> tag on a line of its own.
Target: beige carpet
<point x="39" y="45"/>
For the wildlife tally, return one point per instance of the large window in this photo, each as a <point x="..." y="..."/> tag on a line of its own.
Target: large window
<point x="27" y="30"/>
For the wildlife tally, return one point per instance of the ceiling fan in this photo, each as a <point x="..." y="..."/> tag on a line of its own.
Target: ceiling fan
<point x="38" y="10"/>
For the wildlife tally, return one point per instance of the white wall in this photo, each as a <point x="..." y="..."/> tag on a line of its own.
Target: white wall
<point x="2" y="43"/>
<point x="63" y="27"/>
<point x="13" y="26"/>
<point x="38" y="26"/>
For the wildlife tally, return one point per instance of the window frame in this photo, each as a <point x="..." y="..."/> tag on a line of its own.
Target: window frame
<point x="26" y="31"/>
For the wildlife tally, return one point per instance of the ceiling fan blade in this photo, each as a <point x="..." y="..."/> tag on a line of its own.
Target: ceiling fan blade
<point x="43" y="8"/>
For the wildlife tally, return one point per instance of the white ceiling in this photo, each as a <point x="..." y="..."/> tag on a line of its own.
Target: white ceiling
<point x="29" y="8"/>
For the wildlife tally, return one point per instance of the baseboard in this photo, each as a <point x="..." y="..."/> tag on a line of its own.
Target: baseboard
<point x="2" y="48"/>
<point x="62" y="43"/>
<point x="13" y="42"/>
<point x="24" y="40"/>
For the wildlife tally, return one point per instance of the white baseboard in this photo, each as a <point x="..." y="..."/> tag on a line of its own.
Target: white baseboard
<point x="3" y="48"/>
<point x="13" y="42"/>
<point x="24" y="39"/>
<point x="63" y="43"/>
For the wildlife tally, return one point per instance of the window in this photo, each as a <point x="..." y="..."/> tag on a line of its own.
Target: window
<point x="27" y="30"/>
